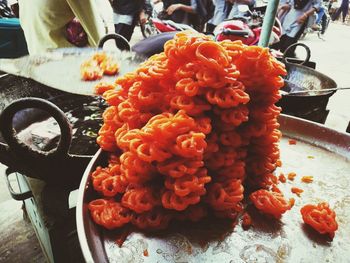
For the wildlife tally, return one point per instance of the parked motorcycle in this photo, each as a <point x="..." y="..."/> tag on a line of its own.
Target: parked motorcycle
<point x="246" y="28"/>
<point x="152" y="11"/>
<point x="155" y="24"/>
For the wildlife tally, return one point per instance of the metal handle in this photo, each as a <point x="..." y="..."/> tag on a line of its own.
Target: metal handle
<point x="241" y="33"/>
<point x="20" y="196"/>
<point x="9" y="134"/>
<point x="308" y="53"/>
<point x="120" y="41"/>
<point x="316" y="90"/>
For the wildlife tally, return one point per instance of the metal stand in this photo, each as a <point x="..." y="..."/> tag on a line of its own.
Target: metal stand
<point x="56" y="234"/>
<point x="269" y="20"/>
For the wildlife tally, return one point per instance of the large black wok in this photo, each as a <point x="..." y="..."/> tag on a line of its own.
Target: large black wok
<point x="310" y="105"/>
<point x="62" y="159"/>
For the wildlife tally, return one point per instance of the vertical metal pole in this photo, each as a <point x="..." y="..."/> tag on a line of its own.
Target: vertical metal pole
<point x="269" y="20"/>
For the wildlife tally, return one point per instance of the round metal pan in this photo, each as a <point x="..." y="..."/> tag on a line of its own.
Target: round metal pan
<point x="60" y="68"/>
<point x="320" y="152"/>
<point x="57" y="80"/>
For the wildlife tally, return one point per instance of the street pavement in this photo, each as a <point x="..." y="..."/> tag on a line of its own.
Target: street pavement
<point x="332" y="57"/>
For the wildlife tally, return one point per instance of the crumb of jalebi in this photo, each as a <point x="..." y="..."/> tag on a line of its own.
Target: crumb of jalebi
<point x="282" y="178"/>
<point x="279" y="163"/>
<point x="291" y="202"/>
<point x="246" y="221"/>
<point x="297" y="191"/>
<point x="321" y="218"/>
<point x="307" y="179"/>
<point x="292" y="142"/>
<point x="291" y="176"/>
<point x="274" y="188"/>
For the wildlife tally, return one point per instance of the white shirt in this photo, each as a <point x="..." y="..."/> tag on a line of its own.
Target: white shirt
<point x="289" y="22"/>
<point x="44" y="22"/>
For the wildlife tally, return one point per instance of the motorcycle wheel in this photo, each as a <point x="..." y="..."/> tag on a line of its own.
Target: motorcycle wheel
<point x="148" y="29"/>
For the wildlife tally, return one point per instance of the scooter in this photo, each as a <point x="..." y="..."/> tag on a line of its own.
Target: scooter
<point x="152" y="11"/>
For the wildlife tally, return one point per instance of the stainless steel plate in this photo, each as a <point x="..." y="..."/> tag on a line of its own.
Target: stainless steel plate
<point x="320" y="152"/>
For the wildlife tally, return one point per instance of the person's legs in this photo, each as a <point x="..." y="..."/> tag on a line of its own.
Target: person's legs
<point x="219" y="15"/>
<point x="285" y="42"/>
<point x="345" y="9"/>
<point x="320" y="14"/>
<point x="124" y="30"/>
<point x="210" y="28"/>
<point x="324" y="23"/>
<point x="336" y="14"/>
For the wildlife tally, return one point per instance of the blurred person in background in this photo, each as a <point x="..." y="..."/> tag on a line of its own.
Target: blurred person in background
<point x="127" y="13"/>
<point x="293" y="15"/>
<point x="180" y="11"/>
<point x="343" y="9"/>
<point x="76" y="34"/>
<point x="194" y="13"/>
<point x="6" y="9"/>
<point x="222" y="9"/>
<point x="44" y="22"/>
<point x="235" y="7"/>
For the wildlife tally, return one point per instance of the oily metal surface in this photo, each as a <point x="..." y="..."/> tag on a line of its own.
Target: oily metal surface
<point x="300" y="78"/>
<point x="60" y="68"/>
<point x="320" y="152"/>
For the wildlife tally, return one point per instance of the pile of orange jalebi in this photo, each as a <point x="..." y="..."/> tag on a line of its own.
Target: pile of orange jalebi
<point x="98" y="65"/>
<point x="187" y="132"/>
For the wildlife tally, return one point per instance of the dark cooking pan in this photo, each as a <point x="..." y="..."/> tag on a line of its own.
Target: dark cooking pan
<point x="56" y="165"/>
<point x="20" y="102"/>
<point x="302" y="78"/>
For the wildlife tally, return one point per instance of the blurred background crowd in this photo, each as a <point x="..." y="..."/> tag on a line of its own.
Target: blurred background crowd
<point x="62" y="23"/>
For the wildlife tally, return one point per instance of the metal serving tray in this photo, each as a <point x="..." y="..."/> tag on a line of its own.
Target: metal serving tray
<point x="321" y="152"/>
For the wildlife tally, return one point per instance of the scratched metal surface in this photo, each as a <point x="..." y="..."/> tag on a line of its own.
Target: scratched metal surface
<point x="320" y="152"/>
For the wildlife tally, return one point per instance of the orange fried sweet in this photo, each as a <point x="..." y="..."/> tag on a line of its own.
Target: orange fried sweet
<point x="109" y="67"/>
<point x="270" y="203"/>
<point x="90" y="70"/>
<point x="98" y="65"/>
<point x="109" y="213"/>
<point x="185" y="131"/>
<point x="320" y="217"/>
<point x="297" y="191"/>
<point x="307" y="179"/>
